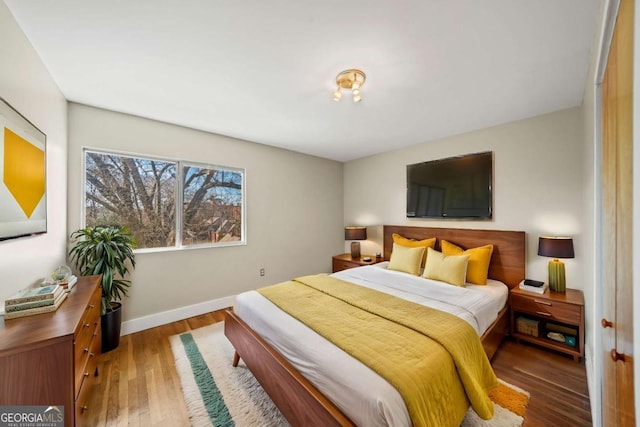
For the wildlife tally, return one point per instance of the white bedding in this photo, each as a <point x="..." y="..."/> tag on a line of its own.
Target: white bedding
<point x="361" y="394"/>
<point x="478" y="305"/>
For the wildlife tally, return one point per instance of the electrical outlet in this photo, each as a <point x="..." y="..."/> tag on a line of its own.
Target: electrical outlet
<point x="262" y="272"/>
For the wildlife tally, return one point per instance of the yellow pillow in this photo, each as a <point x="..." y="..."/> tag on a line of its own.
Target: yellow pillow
<point x="479" y="260"/>
<point x="410" y="243"/>
<point x="446" y="268"/>
<point x="406" y="259"/>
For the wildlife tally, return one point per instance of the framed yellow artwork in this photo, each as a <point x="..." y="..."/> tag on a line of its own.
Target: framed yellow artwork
<point x="23" y="190"/>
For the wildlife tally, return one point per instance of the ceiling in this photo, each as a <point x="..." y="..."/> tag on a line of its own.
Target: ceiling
<point x="264" y="71"/>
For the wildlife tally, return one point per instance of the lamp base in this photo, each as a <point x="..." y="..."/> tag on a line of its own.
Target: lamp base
<point x="355" y="249"/>
<point x="557" y="282"/>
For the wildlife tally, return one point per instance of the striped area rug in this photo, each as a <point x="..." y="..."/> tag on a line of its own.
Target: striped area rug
<point x="217" y="394"/>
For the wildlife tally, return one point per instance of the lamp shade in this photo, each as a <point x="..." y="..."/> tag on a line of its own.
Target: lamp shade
<point x="355" y="233"/>
<point x="556" y="247"/>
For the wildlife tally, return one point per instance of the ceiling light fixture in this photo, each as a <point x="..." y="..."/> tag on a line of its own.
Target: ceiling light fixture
<point x="353" y="80"/>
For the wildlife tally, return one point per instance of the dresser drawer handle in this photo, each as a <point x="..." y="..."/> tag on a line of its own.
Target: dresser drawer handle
<point x="542" y="302"/>
<point x="86" y="325"/>
<point x="86" y="350"/>
<point x="92" y="306"/>
<point x="86" y="374"/>
<point x="83" y="408"/>
<point x="91" y="354"/>
<point x="543" y="314"/>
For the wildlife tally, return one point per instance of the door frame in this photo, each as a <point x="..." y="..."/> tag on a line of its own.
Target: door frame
<point x="610" y="10"/>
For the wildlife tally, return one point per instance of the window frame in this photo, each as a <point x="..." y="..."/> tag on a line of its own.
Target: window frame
<point x="179" y="198"/>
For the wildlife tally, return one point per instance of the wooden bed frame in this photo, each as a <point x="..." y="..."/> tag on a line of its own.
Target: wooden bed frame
<point x="298" y="400"/>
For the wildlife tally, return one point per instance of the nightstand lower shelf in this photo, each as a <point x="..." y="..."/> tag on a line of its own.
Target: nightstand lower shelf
<point x="548" y="343"/>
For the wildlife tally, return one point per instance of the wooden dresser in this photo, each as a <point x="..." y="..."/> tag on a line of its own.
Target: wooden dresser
<point x="50" y="359"/>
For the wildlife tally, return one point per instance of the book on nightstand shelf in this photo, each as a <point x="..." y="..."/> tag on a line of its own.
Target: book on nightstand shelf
<point x="536" y="289"/>
<point x="37" y="310"/>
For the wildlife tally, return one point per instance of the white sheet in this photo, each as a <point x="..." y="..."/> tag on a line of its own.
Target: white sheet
<point x="361" y="394"/>
<point x="477" y="304"/>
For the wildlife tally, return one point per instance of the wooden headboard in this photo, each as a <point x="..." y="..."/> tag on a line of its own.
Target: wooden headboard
<point x="507" y="261"/>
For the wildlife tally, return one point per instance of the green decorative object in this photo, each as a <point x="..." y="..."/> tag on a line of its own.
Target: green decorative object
<point x="61" y="273"/>
<point x="557" y="281"/>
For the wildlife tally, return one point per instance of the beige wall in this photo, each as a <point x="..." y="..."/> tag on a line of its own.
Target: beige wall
<point x="26" y="84"/>
<point x="293" y="205"/>
<point x="538" y="185"/>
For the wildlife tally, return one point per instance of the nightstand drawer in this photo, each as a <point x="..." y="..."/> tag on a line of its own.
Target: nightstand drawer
<point x="339" y="265"/>
<point x="568" y="313"/>
<point x="345" y="261"/>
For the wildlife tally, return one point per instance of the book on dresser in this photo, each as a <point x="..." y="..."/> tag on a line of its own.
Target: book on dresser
<point x="33" y="294"/>
<point x="36" y="310"/>
<point x="34" y="304"/>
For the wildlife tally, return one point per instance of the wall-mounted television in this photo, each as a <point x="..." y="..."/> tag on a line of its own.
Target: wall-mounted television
<point x="455" y="187"/>
<point x="23" y="196"/>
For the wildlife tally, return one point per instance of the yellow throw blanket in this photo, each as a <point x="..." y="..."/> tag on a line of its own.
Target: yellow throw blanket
<point x="434" y="359"/>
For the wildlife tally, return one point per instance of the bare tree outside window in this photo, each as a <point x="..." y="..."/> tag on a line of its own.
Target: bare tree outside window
<point x="212" y="205"/>
<point x="141" y="194"/>
<point x="134" y="192"/>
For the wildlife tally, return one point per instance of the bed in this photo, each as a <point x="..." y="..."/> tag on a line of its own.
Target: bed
<point x="278" y="370"/>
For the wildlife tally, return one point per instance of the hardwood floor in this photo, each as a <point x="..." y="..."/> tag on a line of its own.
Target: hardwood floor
<point x="138" y="384"/>
<point x="557" y="384"/>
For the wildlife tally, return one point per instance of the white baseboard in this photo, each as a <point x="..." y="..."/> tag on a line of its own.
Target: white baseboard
<point x="158" y="319"/>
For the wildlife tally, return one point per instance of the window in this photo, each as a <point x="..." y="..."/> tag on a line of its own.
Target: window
<point x="212" y="205"/>
<point x="144" y="194"/>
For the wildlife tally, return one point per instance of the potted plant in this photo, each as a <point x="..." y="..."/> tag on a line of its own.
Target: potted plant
<point x="106" y="250"/>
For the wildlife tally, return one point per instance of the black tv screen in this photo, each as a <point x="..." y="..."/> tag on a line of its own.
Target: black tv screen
<point x="456" y="187"/>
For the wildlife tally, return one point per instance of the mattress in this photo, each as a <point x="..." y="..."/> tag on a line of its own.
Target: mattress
<point x="361" y="394"/>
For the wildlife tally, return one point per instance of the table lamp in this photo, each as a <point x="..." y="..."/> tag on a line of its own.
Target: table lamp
<point x="556" y="247"/>
<point x="355" y="233"/>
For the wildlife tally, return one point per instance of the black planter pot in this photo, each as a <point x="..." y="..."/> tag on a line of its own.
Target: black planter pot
<point x="110" y="322"/>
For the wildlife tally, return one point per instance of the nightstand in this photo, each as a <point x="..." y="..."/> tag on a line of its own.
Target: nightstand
<point x="344" y="261"/>
<point x="534" y="316"/>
